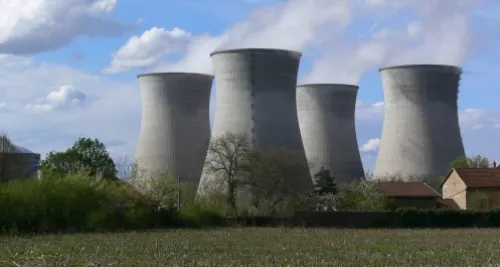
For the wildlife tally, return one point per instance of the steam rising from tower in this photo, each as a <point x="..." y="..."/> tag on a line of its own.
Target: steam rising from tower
<point x="326" y="117"/>
<point x="421" y="135"/>
<point x="175" y="125"/>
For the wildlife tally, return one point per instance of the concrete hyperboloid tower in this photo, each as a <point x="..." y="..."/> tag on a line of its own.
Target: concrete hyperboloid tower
<point x="256" y="96"/>
<point x="421" y="134"/>
<point x="326" y="117"/>
<point x="175" y="126"/>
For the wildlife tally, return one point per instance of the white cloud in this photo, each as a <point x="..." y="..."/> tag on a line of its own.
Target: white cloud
<point x="476" y="118"/>
<point x="147" y="49"/>
<point x="366" y="111"/>
<point x="67" y="97"/>
<point x="108" y="116"/>
<point x="371" y="145"/>
<point x="28" y="26"/>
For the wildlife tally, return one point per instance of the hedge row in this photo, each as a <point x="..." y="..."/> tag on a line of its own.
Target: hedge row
<point x="80" y="203"/>
<point x="405" y="218"/>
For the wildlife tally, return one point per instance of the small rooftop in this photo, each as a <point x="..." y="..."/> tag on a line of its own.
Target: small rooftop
<point x="407" y="189"/>
<point x="479" y="177"/>
<point x="24" y="150"/>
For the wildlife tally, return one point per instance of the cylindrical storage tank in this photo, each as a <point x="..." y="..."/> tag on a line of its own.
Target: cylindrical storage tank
<point x="19" y="163"/>
<point x="256" y="96"/>
<point x="175" y="127"/>
<point x="326" y="118"/>
<point x="421" y="133"/>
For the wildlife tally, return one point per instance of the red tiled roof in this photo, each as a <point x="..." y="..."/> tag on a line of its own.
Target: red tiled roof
<point x="449" y="203"/>
<point x="407" y="189"/>
<point x="479" y="177"/>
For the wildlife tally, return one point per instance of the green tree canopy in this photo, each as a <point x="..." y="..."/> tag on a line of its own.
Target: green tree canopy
<point x="324" y="183"/>
<point x="361" y="196"/>
<point x="477" y="161"/>
<point x="89" y="155"/>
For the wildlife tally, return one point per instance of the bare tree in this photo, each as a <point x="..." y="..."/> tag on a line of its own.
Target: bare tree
<point x="477" y="161"/>
<point x="162" y="188"/>
<point x="226" y="162"/>
<point x="274" y="176"/>
<point x="12" y="163"/>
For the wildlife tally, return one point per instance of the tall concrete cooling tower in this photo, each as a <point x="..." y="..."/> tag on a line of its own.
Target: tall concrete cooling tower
<point x="256" y="96"/>
<point x="175" y="127"/>
<point x="326" y="118"/>
<point x="421" y="135"/>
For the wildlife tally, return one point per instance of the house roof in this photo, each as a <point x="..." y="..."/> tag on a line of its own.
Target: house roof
<point x="407" y="189"/>
<point x="478" y="177"/>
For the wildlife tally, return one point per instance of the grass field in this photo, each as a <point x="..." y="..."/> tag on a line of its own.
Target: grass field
<point x="258" y="247"/>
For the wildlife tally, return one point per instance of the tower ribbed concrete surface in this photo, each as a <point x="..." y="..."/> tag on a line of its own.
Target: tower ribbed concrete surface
<point x="175" y="125"/>
<point x="326" y="117"/>
<point x="256" y="96"/>
<point x="421" y="132"/>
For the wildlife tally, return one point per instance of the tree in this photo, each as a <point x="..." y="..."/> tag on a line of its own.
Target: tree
<point x="161" y="188"/>
<point x="361" y="196"/>
<point x="275" y="176"/>
<point x="324" y="183"/>
<point x="226" y="161"/>
<point x="89" y="155"/>
<point x="477" y="161"/>
<point x="12" y="163"/>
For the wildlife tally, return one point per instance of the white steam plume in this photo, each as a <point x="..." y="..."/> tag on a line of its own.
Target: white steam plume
<point x="440" y="36"/>
<point x="293" y="25"/>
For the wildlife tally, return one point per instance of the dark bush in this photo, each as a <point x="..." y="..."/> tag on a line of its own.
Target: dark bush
<point x="401" y="218"/>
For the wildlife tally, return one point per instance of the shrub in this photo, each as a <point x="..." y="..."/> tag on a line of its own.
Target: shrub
<point x="75" y="202"/>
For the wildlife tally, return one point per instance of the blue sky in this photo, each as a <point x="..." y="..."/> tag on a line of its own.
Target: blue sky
<point x="68" y="67"/>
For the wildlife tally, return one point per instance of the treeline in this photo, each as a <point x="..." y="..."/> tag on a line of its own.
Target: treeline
<point x="79" y="190"/>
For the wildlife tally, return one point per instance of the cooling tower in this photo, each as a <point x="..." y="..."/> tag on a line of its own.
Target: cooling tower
<point x="421" y="135"/>
<point x="326" y="118"/>
<point x="256" y="96"/>
<point x="175" y="127"/>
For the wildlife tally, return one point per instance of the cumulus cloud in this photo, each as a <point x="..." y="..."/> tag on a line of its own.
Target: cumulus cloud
<point x="67" y="97"/>
<point x="147" y="49"/>
<point x="371" y="145"/>
<point x="293" y="24"/>
<point x="114" y="120"/>
<point x="31" y="26"/>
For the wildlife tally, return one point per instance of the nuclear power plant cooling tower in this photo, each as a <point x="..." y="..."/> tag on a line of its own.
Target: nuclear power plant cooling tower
<point x="326" y="118"/>
<point x="421" y="135"/>
<point x="175" y="127"/>
<point x="256" y="96"/>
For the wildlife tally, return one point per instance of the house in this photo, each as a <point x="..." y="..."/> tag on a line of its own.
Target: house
<point x="473" y="188"/>
<point x="411" y="195"/>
